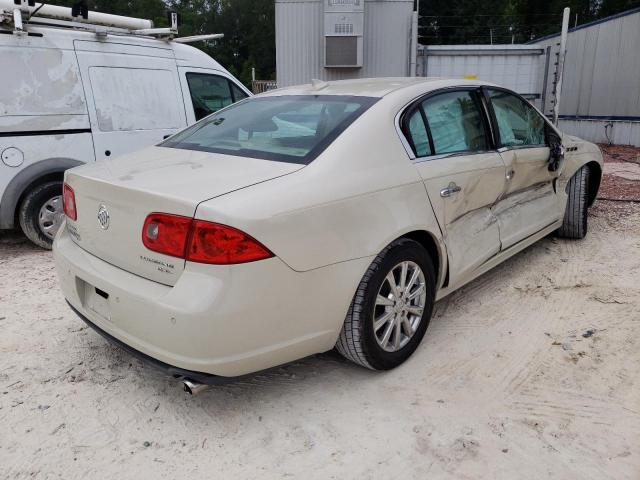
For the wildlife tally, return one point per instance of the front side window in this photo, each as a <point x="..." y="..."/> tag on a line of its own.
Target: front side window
<point x="237" y="93"/>
<point x="292" y="128"/>
<point x="519" y="124"/>
<point x="455" y="122"/>
<point x="210" y="93"/>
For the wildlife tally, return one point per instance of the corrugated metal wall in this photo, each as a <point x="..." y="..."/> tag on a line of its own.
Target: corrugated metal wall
<point x="602" y="131"/>
<point x="518" y="67"/>
<point x="300" y="41"/>
<point x="602" y="80"/>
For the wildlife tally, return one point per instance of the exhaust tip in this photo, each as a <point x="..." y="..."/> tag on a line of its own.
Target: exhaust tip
<point x="192" y="387"/>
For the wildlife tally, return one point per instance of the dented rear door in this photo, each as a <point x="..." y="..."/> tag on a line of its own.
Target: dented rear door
<point x="464" y="178"/>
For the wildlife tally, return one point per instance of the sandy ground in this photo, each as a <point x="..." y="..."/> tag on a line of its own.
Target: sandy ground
<point x="529" y="372"/>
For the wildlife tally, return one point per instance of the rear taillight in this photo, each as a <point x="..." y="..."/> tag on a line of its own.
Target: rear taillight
<point x="215" y="243"/>
<point x="69" y="202"/>
<point x="168" y="234"/>
<point x="200" y="241"/>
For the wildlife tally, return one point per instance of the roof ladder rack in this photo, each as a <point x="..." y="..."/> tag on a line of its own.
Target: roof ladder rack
<point x="20" y="13"/>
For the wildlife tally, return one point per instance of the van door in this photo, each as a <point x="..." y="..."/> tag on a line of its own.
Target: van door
<point x="463" y="176"/>
<point x="207" y="91"/>
<point x="529" y="203"/>
<point x="133" y="94"/>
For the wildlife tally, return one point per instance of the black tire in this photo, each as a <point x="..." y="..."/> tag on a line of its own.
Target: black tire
<point x="357" y="340"/>
<point x="574" y="224"/>
<point x="29" y="212"/>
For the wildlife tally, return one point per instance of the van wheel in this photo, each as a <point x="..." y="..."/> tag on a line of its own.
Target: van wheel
<point x="391" y="309"/>
<point x="574" y="224"/>
<point x="41" y="213"/>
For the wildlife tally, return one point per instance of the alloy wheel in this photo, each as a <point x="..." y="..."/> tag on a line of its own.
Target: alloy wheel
<point x="399" y="306"/>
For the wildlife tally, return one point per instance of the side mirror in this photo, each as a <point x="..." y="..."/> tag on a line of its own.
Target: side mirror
<point x="556" y="154"/>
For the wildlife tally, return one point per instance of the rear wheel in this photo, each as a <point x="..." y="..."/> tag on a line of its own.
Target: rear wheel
<point x="41" y="213"/>
<point x="574" y="224"/>
<point x="391" y="309"/>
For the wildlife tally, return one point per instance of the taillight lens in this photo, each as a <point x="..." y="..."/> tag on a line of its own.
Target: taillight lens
<point x="223" y="245"/>
<point x="200" y="241"/>
<point x="69" y="202"/>
<point x="168" y="234"/>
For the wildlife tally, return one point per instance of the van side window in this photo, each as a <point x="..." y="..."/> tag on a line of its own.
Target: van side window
<point x="237" y="93"/>
<point x="128" y="99"/>
<point x="209" y="93"/>
<point x="519" y="124"/>
<point x="455" y="123"/>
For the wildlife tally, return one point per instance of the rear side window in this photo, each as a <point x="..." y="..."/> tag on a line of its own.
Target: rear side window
<point x="135" y="99"/>
<point x="291" y="128"/>
<point x="455" y="122"/>
<point x="418" y="134"/>
<point x="446" y="123"/>
<point x="519" y="124"/>
<point x="210" y="93"/>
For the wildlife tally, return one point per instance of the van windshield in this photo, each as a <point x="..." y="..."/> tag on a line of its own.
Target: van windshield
<point x="292" y="128"/>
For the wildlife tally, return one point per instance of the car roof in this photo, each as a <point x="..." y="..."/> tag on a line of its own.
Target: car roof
<point x="371" y="87"/>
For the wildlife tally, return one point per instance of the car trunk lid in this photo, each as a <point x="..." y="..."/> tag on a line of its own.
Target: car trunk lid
<point x="114" y="197"/>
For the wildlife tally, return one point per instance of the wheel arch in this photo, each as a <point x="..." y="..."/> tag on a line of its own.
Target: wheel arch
<point x="595" y="177"/>
<point x="435" y="249"/>
<point x="28" y="178"/>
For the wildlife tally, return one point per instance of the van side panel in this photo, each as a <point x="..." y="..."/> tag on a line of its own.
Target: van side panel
<point x="41" y="90"/>
<point x="133" y="95"/>
<point x="42" y="155"/>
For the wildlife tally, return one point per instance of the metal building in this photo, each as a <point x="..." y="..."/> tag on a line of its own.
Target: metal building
<point x="340" y="39"/>
<point x="601" y="91"/>
<point x="522" y="68"/>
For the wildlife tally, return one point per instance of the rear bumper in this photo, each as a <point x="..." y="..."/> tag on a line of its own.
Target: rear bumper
<point x="171" y="370"/>
<point x="225" y="321"/>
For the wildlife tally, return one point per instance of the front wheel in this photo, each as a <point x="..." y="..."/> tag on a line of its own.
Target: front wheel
<point x="41" y="213"/>
<point x="574" y="224"/>
<point x="391" y="309"/>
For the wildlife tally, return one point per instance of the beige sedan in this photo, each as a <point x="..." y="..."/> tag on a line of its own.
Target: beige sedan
<point x="319" y="216"/>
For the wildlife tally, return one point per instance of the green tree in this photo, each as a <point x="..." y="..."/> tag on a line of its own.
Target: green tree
<point x="611" y="7"/>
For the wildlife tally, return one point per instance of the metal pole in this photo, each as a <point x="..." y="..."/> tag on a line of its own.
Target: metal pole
<point x="561" y="59"/>
<point x="414" y="40"/>
<point x="491" y="35"/>
<point x="545" y="79"/>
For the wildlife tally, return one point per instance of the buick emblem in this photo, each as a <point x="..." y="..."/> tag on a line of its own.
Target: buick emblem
<point x="103" y="217"/>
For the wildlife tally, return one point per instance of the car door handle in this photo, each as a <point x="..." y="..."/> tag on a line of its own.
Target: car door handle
<point x="510" y="174"/>
<point x="450" y="190"/>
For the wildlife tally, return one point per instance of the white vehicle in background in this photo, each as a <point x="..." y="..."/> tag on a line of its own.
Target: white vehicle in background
<point x="83" y="86"/>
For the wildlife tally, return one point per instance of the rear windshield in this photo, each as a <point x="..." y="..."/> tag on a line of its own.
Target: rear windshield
<point x="290" y="128"/>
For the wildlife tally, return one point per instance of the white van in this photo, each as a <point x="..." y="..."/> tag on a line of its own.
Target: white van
<point x="73" y="92"/>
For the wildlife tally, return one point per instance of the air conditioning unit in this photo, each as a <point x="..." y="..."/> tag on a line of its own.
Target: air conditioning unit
<point x="343" y="31"/>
